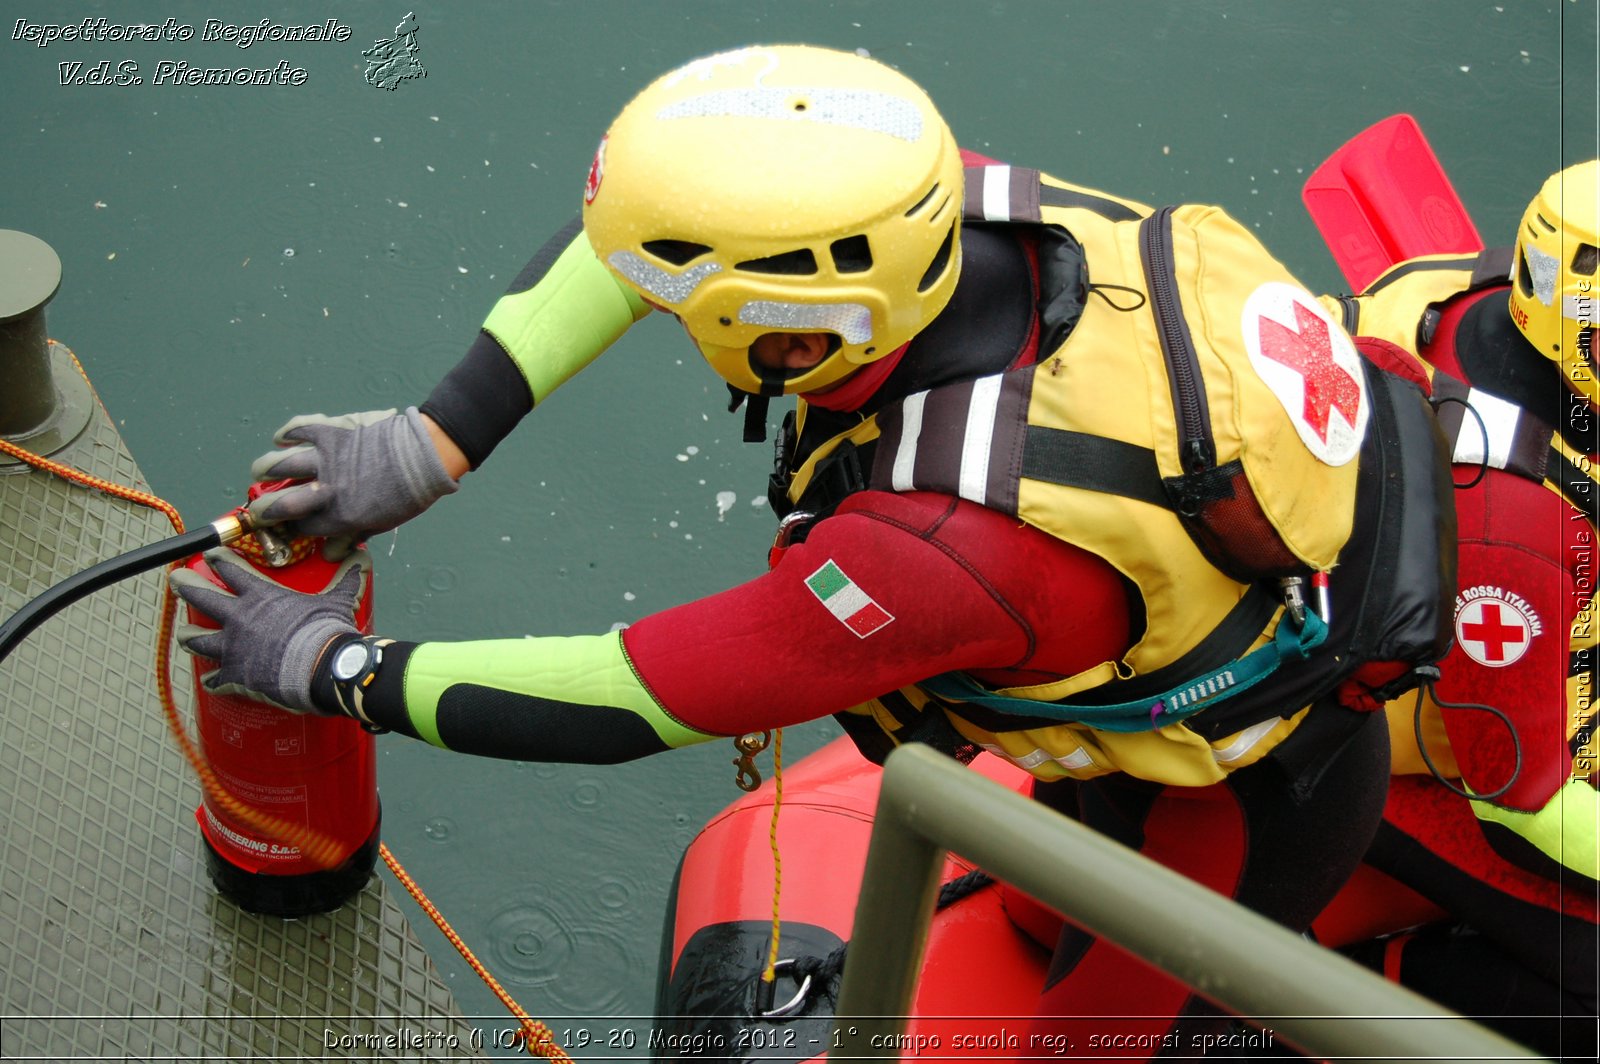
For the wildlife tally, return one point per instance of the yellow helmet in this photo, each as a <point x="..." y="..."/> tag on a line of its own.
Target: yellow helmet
<point x="782" y="189"/>
<point x="1553" y="275"/>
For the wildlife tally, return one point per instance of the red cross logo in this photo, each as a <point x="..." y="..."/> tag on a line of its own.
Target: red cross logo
<point x="597" y="172"/>
<point x="1492" y="633"/>
<point x="1309" y="352"/>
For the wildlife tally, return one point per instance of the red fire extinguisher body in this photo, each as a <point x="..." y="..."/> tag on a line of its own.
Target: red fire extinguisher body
<point x="314" y="772"/>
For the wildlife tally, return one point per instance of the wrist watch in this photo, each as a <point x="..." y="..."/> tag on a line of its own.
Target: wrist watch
<point x="353" y="668"/>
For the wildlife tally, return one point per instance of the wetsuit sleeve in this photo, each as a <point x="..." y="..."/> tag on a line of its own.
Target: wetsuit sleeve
<point x="1566" y="832"/>
<point x="871" y="602"/>
<point x="561" y="312"/>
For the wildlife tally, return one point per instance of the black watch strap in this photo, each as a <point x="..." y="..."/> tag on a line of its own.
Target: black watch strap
<point x="346" y="688"/>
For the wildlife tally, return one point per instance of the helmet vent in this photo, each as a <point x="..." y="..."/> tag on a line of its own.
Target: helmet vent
<point x="798" y="263"/>
<point x="923" y="202"/>
<point x="852" y="254"/>
<point x="1586" y="259"/>
<point x="1545" y="222"/>
<point x="675" y="252"/>
<point x="941" y="260"/>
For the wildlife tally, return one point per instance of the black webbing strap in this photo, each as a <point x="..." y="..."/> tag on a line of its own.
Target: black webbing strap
<point x="1098" y="463"/>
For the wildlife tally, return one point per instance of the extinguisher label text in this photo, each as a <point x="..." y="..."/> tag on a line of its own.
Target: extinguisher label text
<point x="255" y="846"/>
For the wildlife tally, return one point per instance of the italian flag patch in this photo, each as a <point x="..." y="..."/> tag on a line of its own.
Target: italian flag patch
<point x="845" y="600"/>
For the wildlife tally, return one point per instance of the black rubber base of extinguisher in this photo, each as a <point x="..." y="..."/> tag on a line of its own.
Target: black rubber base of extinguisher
<point x="296" y="895"/>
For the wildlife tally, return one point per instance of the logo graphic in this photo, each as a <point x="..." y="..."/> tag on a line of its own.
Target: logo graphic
<point x="1495" y="626"/>
<point x="597" y="172"/>
<point x="1311" y="366"/>
<point x="845" y="600"/>
<point x="392" y="61"/>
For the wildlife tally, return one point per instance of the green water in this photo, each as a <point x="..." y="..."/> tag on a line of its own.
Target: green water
<point x="235" y="255"/>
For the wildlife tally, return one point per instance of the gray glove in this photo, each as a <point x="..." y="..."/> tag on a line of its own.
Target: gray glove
<point x="271" y="636"/>
<point x="366" y="473"/>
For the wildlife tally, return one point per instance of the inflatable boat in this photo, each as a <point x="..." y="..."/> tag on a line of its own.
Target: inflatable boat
<point x="983" y="968"/>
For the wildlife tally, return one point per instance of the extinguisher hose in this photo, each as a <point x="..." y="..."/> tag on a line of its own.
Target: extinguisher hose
<point x="47" y="605"/>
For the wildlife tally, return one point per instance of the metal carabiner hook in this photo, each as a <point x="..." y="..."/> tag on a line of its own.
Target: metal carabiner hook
<point x="765" y="1008"/>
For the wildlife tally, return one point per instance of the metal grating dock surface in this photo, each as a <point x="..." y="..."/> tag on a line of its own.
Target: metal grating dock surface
<point x="115" y="945"/>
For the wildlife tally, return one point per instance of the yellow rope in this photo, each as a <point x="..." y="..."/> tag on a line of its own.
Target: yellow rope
<point x="317" y="847"/>
<point x="771" y="972"/>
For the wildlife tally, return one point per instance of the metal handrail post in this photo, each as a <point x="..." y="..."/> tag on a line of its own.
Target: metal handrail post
<point x="1244" y="962"/>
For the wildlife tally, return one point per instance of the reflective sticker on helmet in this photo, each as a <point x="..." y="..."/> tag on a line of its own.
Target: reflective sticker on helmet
<point x="667" y="287"/>
<point x="1495" y="626"/>
<point x="1311" y="366"/>
<point x="876" y="112"/>
<point x="852" y="321"/>
<point x="1544" y="270"/>
<point x="597" y="172"/>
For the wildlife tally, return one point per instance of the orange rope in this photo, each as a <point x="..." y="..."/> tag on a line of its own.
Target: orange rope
<point x="319" y="848"/>
<point x="536" y="1037"/>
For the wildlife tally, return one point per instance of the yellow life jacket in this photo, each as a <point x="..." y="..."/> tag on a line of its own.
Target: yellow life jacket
<point x="1402" y="306"/>
<point x="1202" y="427"/>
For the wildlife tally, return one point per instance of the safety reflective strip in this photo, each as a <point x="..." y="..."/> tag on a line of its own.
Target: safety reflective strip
<point x="1075" y="760"/>
<point x="852" y="321"/>
<point x="905" y="458"/>
<point x="1493" y="444"/>
<point x="977" y="441"/>
<point x="964" y="439"/>
<point x="1001" y="193"/>
<point x="1245" y="741"/>
<point x="997" y="193"/>
<point x="669" y="288"/>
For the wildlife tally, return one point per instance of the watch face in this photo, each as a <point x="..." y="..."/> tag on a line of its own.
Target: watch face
<point x="351" y="659"/>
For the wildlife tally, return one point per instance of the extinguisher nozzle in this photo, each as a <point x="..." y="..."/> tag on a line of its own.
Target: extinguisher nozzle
<point x="230" y="526"/>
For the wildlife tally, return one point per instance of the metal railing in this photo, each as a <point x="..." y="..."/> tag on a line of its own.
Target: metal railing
<point x="1319" y="1001"/>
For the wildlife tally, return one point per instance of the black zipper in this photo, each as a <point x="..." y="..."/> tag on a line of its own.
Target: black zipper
<point x="1350" y="313"/>
<point x="1197" y="450"/>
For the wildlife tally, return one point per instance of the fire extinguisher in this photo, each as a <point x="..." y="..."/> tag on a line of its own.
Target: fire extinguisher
<point x="313" y="772"/>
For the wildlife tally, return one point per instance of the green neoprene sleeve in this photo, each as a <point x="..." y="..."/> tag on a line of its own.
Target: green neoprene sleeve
<point x="1565" y="830"/>
<point x="560" y="325"/>
<point x="582" y="670"/>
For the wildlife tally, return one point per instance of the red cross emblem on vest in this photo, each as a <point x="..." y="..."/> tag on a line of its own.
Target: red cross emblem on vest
<point x="1492" y="632"/>
<point x="1310" y="365"/>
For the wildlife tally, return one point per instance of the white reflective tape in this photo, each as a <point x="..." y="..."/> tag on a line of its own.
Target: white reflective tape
<point x="1543" y="270"/>
<point x="1245" y="741"/>
<point x="877" y="112"/>
<point x="669" y="288"/>
<point x="979" y="439"/>
<point x="1579" y="309"/>
<point x="852" y="321"/>
<point x="1487" y="431"/>
<point x="905" y="458"/>
<point x="997" y="193"/>
<point x="1075" y="760"/>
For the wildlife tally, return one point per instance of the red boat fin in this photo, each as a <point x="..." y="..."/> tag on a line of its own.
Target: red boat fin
<point x="1383" y="198"/>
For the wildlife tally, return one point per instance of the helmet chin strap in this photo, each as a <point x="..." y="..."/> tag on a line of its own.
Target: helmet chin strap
<point x="755" y="413"/>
